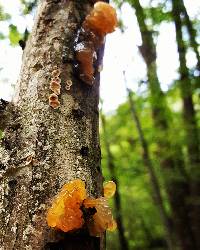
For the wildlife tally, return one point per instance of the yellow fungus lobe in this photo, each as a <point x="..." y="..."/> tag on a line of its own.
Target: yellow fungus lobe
<point x="65" y="213"/>
<point x="109" y="189"/>
<point x="102" y="219"/>
<point x="112" y="226"/>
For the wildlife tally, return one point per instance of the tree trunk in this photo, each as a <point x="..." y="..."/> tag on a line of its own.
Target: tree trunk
<point x="117" y="199"/>
<point x="189" y="118"/>
<point x="43" y="148"/>
<point x="153" y="178"/>
<point x="177" y="187"/>
<point x="191" y="32"/>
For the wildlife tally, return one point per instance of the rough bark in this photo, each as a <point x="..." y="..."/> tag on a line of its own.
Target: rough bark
<point x="189" y="118"/>
<point x="177" y="187"/>
<point x="117" y="200"/>
<point x="157" y="196"/>
<point x="43" y="148"/>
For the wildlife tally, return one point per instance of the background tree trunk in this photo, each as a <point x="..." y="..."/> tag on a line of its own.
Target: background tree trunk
<point x="189" y="118"/>
<point x="177" y="187"/>
<point x="117" y="200"/>
<point x="44" y="148"/>
<point x="191" y="31"/>
<point x="157" y="196"/>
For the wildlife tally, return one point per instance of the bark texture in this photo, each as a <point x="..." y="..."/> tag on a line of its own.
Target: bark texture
<point x="43" y="148"/>
<point x="172" y="163"/>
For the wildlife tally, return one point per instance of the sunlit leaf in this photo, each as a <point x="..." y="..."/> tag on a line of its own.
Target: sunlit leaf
<point x="14" y="35"/>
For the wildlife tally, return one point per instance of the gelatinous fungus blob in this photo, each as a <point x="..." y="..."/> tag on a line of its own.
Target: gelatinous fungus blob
<point x="72" y="208"/>
<point x="109" y="189"/>
<point x="84" y="56"/>
<point x="53" y="101"/>
<point x="102" y="19"/>
<point x="102" y="219"/>
<point x="65" y="213"/>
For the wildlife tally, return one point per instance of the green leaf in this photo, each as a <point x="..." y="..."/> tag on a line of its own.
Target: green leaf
<point x="158" y="14"/>
<point x="14" y="35"/>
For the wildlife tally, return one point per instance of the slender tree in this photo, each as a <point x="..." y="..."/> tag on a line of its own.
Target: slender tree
<point x="189" y="118"/>
<point x="191" y="31"/>
<point x="177" y="187"/>
<point x="117" y="200"/>
<point x="157" y="196"/>
<point x="43" y="148"/>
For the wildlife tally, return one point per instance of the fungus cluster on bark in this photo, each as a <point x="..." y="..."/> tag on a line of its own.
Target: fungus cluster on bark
<point x="55" y="87"/>
<point x="71" y="209"/>
<point x="99" y="22"/>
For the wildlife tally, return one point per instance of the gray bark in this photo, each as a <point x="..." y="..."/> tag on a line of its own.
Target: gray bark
<point x="43" y="148"/>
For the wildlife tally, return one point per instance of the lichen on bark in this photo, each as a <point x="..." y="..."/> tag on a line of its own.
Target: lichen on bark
<point x="44" y="148"/>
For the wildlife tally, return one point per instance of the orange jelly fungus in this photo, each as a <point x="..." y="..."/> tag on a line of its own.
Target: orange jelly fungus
<point x="65" y="213"/>
<point x="102" y="19"/>
<point x="102" y="219"/>
<point x="99" y="22"/>
<point x="85" y="58"/>
<point x="109" y="189"/>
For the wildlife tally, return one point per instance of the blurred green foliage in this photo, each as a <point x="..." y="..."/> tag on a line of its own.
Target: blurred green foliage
<point x="3" y="16"/>
<point x="142" y="222"/>
<point x="28" y="5"/>
<point x="14" y="35"/>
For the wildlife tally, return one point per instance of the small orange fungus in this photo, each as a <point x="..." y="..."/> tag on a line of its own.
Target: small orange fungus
<point x="53" y="101"/>
<point x="55" y="73"/>
<point x="109" y="189"/>
<point x="102" y="19"/>
<point x="65" y="213"/>
<point x="55" y="87"/>
<point x="102" y="219"/>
